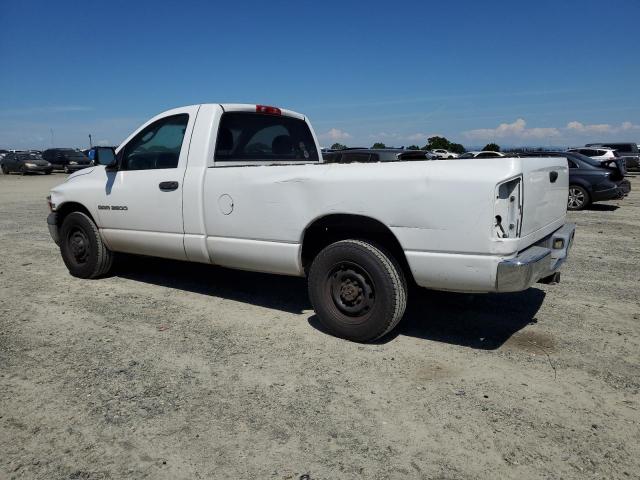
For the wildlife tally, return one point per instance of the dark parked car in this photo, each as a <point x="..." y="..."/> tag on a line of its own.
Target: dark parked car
<point x="66" y="159"/>
<point x="589" y="180"/>
<point x="24" y="162"/>
<point x="627" y="150"/>
<point x="372" y="155"/>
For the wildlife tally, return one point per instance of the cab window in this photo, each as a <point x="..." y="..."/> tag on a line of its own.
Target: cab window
<point x="257" y="138"/>
<point x="158" y="146"/>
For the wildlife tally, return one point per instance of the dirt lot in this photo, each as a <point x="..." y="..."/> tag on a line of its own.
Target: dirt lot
<point x="167" y="370"/>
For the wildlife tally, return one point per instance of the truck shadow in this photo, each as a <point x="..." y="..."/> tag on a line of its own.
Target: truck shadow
<point x="482" y="321"/>
<point x="288" y="294"/>
<point x="475" y="321"/>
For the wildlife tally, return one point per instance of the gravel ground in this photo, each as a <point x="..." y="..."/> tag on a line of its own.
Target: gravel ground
<point x="170" y="370"/>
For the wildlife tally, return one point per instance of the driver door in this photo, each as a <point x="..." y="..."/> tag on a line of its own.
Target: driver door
<point x="141" y="206"/>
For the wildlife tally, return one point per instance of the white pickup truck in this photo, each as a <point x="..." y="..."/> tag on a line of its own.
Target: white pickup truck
<point x="245" y="186"/>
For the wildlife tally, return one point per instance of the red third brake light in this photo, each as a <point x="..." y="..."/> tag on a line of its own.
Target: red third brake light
<point x="269" y="110"/>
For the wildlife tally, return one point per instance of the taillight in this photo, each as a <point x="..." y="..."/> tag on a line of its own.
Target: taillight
<point x="508" y="209"/>
<point x="269" y="110"/>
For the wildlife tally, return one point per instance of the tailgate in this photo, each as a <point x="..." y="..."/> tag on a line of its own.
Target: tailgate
<point x="545" y="191"/>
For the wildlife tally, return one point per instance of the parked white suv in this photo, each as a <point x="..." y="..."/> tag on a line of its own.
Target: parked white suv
<point x="442" y="153"/>
<point x="482" y="154"/>
<point x="245" y="186"/>
<point x="597" y="153"/>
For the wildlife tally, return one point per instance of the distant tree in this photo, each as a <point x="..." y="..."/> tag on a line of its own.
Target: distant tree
<point x="413" y="147"/>
<point x="379" y="145"/>
<point x="492" y="147"/>
<point x="457" y="148"/>
<point x="442" y="142"/>
<point x="438" y="142"/>
<point x="338" y="146"/>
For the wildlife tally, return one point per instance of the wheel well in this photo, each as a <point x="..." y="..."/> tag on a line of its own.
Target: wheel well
<point x="336" y="227"/>
<point x="68" y="207"/>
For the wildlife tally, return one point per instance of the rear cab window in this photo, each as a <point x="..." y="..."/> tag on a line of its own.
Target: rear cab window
<point x="246" y="138"/>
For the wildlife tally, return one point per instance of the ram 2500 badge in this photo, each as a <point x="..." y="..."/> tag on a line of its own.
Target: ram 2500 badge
<point x="245" y="186"/>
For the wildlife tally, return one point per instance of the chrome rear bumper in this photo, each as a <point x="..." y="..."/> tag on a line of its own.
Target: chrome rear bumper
<point x="537" y="262"/>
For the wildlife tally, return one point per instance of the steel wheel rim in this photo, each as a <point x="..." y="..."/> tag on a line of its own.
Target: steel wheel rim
<point x="78" y="243"/>
<point x="576" y="198"/>
<point x="351" y="290"/>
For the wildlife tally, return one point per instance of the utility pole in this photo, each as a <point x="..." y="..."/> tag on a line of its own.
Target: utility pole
<point x="90" y="144"/>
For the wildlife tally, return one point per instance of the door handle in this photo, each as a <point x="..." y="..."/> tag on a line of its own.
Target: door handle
<point x="553" y="176"/>
<point x="168" y="186"/>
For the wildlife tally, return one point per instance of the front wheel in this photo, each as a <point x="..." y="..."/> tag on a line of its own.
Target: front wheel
<point x="4" y="169"/>
<point x="82" y="249"/>
<point x="578" y="198"/>
<point x="358" y="291"/>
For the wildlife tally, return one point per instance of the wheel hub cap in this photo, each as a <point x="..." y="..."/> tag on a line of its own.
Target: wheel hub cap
<point x="351" y="290"/>
<point x="78" y="244"/>
<point x="576" y="197"/>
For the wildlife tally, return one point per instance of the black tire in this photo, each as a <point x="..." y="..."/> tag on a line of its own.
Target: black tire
<point x="82" y="249"/>
<point x="578" y="199"/>
<point x="4" y="169"/>
<point x="357" y="290"/>
<point x="23" y="171"/>
<point x="47" y="172"/>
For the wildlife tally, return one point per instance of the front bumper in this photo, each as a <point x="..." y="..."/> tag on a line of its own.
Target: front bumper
<point x="537" y="262"/>
<point x="75" y="168"/>
<point x="52" y="223"/>
<point x="39" y="168"/>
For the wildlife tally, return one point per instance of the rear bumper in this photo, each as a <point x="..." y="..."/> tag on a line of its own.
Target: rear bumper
<point x="610" y="193"/>
<point x="536" y="262"/>
<point x="632" y="162"/>
<point x="625" y="186"/>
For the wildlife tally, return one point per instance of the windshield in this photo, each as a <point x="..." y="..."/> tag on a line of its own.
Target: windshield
<point x="29" y="156"/>
<point x="74" y="154"/>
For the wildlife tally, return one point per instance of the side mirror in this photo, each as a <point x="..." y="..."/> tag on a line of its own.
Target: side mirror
<point x="104" y="156"/>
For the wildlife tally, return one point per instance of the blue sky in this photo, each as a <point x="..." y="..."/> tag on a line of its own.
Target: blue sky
<point x="556" y="72"/>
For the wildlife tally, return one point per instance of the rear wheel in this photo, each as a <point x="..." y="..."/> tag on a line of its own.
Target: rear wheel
<point x="578" y="198"/>
<point x="82" y="249"/>
<point x="358" y="291"/>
